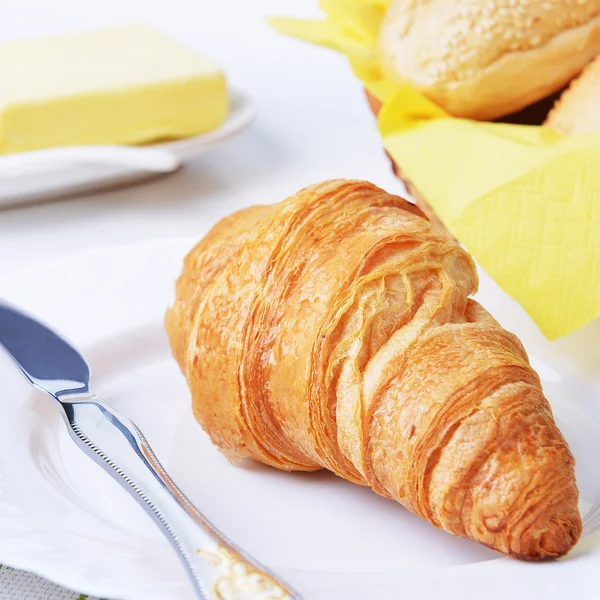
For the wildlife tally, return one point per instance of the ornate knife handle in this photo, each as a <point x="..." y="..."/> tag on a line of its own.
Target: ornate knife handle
<point x="217" y="569"/>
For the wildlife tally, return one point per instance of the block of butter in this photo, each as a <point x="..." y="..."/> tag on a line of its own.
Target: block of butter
<point x="129" y="85"/>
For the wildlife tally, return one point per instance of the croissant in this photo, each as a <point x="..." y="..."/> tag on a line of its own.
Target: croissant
<point x="335" y="330"/>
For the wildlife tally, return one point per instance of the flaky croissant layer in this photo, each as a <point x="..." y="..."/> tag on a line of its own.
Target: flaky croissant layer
<point x="335" y="330"/>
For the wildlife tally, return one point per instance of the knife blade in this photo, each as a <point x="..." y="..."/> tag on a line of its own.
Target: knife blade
<point x="47" y="360"/>
<point x="216" y="567"/>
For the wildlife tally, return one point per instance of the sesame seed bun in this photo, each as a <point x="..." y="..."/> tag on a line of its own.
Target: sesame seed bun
<point x="483" y="59"/>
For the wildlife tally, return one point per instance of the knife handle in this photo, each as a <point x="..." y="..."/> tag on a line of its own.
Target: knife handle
<point x="217" y="569"/>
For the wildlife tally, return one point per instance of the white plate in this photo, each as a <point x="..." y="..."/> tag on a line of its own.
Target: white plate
<point x="65" y="519"/>
<point x="41" y="179"/>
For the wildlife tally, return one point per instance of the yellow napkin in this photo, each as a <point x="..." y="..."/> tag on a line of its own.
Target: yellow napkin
<point x="523" y="199"/>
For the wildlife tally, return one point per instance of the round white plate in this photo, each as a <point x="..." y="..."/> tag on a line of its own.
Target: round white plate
<point x="65" y="519"/>
<point x="34" y="176"/>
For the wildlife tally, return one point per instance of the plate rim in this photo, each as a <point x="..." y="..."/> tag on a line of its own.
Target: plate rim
<point x="72" y="178"/>
<point x="241" y="113"/>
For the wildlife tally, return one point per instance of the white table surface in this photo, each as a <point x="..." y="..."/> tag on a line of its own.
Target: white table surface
<point x="313" y="123"/>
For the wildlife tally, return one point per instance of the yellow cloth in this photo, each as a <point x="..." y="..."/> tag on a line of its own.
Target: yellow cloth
<point x="523" y="199"/>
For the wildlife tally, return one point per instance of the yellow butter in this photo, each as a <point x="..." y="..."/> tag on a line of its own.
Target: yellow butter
<point x="129" y="85"/>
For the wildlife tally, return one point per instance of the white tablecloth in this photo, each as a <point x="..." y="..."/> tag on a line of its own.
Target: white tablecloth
<point x="313" y="124"/>
<point x="21" y="585"/>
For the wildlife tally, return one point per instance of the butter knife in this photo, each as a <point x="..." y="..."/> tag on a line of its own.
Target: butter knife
<point x="218" y="570"/>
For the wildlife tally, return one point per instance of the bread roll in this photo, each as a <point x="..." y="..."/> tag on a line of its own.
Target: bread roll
<point x="483" y="59"/>
<point x="578" y="109"/>
<point x="335" y="330"/>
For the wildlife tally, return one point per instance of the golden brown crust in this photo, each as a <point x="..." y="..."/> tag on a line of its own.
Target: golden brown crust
<point x="485" y="60"/>
<point x="578" y="109"/>
<point x="338" y="332"/>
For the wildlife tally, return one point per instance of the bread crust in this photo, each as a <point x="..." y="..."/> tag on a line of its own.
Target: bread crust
<point x="335" y="330"/>
<point x="578" y="108"/>
<point x="484" y="60"/>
